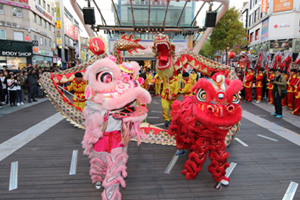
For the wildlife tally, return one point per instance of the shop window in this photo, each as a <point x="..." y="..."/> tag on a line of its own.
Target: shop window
<point x="257" y="33"/>
<point x="34" y="18"/>
<point x="251" y="37"/>
<point x="48" y="8"/>
<point x="18" y="36"/>
<point x="1" y="8"/>
<point x="17" y="12"/>
<point x="2" y="34"/>
<point x="45" y="24"/>
<point x="41" y="41"/>
<point x="44" y="4"/>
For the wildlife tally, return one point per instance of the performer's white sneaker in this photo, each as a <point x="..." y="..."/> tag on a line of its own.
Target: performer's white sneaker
<point x="224" y="182"/>
<point x="98" y="185"/>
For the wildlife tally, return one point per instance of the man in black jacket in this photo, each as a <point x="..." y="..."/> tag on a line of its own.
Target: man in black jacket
<point x="32" y="81"/>
<point x="278" y="92"/>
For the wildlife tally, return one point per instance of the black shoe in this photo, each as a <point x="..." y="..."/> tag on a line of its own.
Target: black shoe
<point x="167" y="123"/>
<point x="180" y="152"/>
<point x="11" y="105"/>
<point x="29" y="102"/>
<point x="34" y="100"/>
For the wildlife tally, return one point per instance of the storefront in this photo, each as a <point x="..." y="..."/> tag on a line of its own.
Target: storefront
<point x="15" y="54"/>
<point x="42" y="58"/>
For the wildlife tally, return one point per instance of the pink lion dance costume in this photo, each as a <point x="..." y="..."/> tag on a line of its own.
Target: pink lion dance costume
<point x="200" y="124"/>
<point x="112" y="117"/>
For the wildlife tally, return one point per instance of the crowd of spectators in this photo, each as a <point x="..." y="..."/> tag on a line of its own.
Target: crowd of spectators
<point x="18" y="86"/>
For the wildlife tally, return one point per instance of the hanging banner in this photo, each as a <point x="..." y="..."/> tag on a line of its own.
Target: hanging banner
<point x="282" y="5"/>
<point x="58" y="40"/>
<point x="265" y="29"/>
<point x="69" y="28"/>
<point x="57" y="10"/>
<point x="58" y="24"/>
<point x="264" y="6"/>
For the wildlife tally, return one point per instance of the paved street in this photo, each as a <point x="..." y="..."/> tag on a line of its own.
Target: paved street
<point x="45" y="141"/>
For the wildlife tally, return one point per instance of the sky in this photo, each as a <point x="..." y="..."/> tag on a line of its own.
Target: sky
<point x="109" y="16"/>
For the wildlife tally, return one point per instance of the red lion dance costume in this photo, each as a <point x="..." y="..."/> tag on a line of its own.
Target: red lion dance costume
<point x="112" y="117"/>
<point x="200" y="124"/>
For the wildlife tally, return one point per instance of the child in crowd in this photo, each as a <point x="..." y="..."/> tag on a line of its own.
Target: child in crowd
<point x="19" y="83"/>
<point x="12" y="88"/>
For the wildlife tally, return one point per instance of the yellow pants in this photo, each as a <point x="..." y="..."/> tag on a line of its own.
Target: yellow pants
<point x="165" y="108"/>
<point x="80" y="105"/>
<point x="157" y="88"/>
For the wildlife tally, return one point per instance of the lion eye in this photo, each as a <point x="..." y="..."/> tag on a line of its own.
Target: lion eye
<point x="201" y="95"/>
<point x="236" y="99"/>
<point x="104" y="77"/>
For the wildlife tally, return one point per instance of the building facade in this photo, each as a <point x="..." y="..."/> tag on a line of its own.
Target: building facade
<point x="276" y="29"/>
<point x="27" y="23"/>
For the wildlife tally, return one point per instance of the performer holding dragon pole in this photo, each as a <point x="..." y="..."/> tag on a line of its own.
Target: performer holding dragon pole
<point x="164" y="51"/>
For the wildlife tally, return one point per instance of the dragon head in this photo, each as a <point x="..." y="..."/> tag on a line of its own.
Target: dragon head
<point x="164" y="52"/>
<point x="115" y="91"/>
<point x="218" y="102"/>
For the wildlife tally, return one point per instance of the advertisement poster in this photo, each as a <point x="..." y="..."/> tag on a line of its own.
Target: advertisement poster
<point x="264" y="6"/>
<point x="265" y="29"/>
<point x="278" y="45"/>
<point x="282" y="5"/>
<point x="57" y="10"/>
<point x="58" y="24"/>
<point x="69" y="28"/>
<point x="58" y="40"/>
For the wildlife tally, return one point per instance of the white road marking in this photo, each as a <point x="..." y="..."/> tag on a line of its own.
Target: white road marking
<point x="13" y="144"/>
<point x="155" y="111"/>
<point x="155" y="102"/>
<point x="281" y="131"/>
<point x="291" y="191"/>
<point x="267" y="137"/>
<point x="241" y="142"/>
<point x="162" y="124"/>
<point x="153" y="117"/>
<point x="13" y="177"/>
<point x="73" y="165"/>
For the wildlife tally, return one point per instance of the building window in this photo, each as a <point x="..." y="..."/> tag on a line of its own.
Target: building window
<point x="48" y="8"/>
<point x="2" y="34"/>
<point x="41" y="41"/>
<point x="45" y="25"/>
<point x="250" y="18"/>
<point x="257" y="14"/>
<point x="35" y="37"/>
<point x="251" y="36"/>
<point x="54" y="45"/>
<point x="52" y="12"/>
<point x="40" y="21"/>
<point x="49" y="27"/>
<point x="1" y="8"/>
<point x="46" y="42"/>
<point x="18" y="36"/>
<point x="257" y="32"/>
<point x="34" y="18"/>
<point x="39" y="2"/>
<point x="44" y="4"/>
<point x="17" y="12"/>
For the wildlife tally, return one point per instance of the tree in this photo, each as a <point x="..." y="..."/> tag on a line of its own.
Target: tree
<point x="206" y="49"/>
<point x="229" y="32"/>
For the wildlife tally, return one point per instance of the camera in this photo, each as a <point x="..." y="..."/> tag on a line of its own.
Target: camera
<point x="272" y="80"/>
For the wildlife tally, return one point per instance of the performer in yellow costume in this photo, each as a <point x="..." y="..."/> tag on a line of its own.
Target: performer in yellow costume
<point x="193" y="77"/>
<point x="168" y="96"/>
<point x="157" y="84"/>
<point x="78" y="85"/>
<point x="149" y="77"/>
<point x="187" y="90"/>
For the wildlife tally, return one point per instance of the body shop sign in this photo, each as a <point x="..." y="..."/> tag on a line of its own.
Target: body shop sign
<point x="69" y="28"/>
<point x="16" y="54"/>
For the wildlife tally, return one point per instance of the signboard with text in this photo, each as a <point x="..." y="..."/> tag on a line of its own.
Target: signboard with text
<point x="282" y="5"/>
<point x="278" y="45"/>
<point x="76" y="32"/>
<point x="69" y="28"/>
<point x="264" y="6"/>
<point x="12" y="3"/>
<point x="57" y="9"/>
<point x="58" y="24"/>
<point x="265" y="29"/>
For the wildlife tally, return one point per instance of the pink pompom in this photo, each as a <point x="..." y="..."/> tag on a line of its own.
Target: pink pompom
<point x="112" y="58"/>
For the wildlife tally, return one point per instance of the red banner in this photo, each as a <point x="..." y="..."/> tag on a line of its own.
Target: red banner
<point x="264" y="6"/>
<point x="76" y="32"/>
<point x="69" y="28"/>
